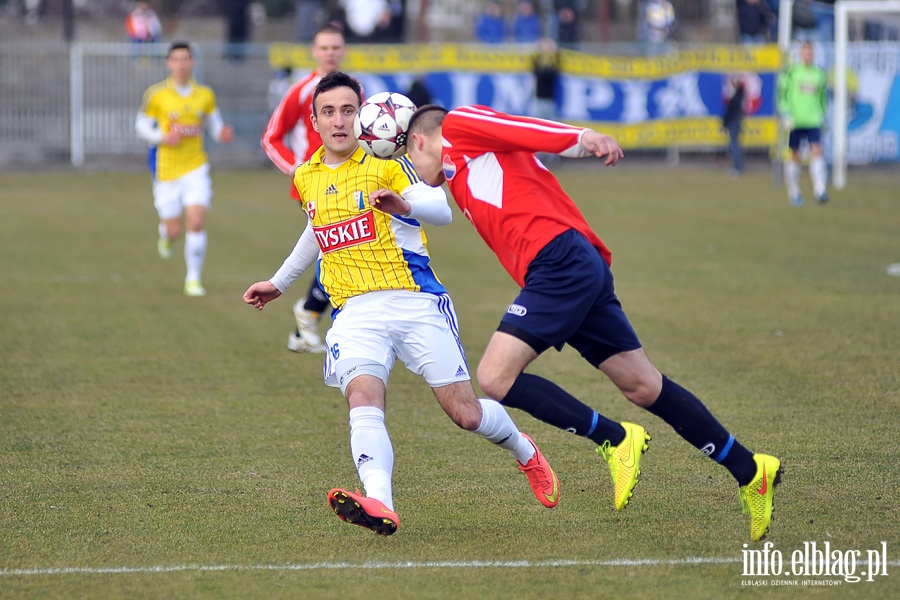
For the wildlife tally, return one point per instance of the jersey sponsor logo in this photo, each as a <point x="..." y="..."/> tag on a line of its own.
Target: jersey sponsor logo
<point x="517" y="310"/>
<point x="331" y="190"/>
<point x="311" y="209"/>
<point x="344" y="234"/>
<point x="183" y="130"/>
<point x="449" y="167"/>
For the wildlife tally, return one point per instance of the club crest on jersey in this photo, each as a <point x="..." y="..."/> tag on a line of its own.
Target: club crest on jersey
<point x="311" y="209"/>
<point x="360" y="198"/>
<point x="345" y="234"/>
<point x="448" y="167"/>
<point x="517" y="310"/>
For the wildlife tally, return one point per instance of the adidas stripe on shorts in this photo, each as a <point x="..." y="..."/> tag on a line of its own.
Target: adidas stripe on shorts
<point x="418" y="328"/>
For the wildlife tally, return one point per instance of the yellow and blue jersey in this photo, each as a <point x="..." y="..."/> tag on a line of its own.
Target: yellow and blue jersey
<point x="363" y="248"/>
<point x="185" y="114"/>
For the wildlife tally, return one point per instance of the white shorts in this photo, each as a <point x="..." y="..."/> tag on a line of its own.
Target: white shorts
<point x="191" y="189"/>
<point x="375" y="329"/>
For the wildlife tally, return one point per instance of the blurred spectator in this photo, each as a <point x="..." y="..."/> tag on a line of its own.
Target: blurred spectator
<point x="238" y="29"/>
<point x="656" y="25"/>
<point x="142" y="24"/>
<point x="803" y="20"/>
<point x="732" y="121"/>
<point x="490" y="27"/>
<point x="545" y="66"/>
<point x="754" y="19"/>
<point x="418" y="92"/>
<point x="567" y="34"/>
<point x="526" y="24"/>
<point x="367" y="20"/>
<point x="309" y="15"/>
<point x="396" y="31"/>
<point x="34" y="9"/>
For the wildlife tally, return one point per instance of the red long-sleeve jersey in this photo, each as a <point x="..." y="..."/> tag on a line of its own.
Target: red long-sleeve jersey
<point x="289" y="138"/>
<point x="512" y="200"/>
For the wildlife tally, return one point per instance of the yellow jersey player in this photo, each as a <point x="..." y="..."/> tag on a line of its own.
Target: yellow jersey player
<point x="365" y="217"/>
<point x="171" y="119"/>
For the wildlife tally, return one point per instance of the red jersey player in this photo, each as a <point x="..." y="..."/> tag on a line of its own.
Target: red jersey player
<point x="289" y="140"/>
<point x="568" y="296"/>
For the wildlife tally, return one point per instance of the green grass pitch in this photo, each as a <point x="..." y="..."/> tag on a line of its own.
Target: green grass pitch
<point x="163" y="446"/>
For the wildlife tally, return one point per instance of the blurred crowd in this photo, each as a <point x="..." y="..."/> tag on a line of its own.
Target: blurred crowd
<point x="653" y="24"/>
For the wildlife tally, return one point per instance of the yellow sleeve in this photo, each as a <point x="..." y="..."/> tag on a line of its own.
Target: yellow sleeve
<point x="401" y="174"/>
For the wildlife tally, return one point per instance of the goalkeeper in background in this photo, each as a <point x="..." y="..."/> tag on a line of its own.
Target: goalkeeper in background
<point x="802" y="92"/>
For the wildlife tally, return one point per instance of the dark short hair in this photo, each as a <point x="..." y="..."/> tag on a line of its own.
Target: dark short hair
<point x="426" y="119"/>
<point x="333" y="80"/>
<point x="328" y="28"/>
<point x="179" y="46"/>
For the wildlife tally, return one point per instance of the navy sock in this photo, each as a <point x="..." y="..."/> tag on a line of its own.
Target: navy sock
<point x="547" y="402"/>
<point x="692" y="420"/>
<point x="316" y="300"/>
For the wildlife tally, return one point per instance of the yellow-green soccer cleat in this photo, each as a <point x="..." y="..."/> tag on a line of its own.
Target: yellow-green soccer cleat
<point x="756" y="496"/>
<point x="164" y="247"/>
<point x="624" y="461"/>
<point x="193" y="288"/>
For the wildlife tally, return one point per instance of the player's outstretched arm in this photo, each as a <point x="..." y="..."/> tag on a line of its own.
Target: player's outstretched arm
<point x="419" y="201"/>
<point x="390" y="202"/>
<point x="602" y="145"/>
<point x="227" y="135"/>
<point x="261" y="293"/>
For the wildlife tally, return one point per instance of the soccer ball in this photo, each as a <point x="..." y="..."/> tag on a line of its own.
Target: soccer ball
<point x="380" y="125"/>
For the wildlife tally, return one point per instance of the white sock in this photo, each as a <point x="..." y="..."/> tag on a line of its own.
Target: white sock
<point x="372" y="452"/>
<point x="792" y="178"/>
<point x="818" y="172"/>
<point x="194" y="254"/>
<point x="498" y="428"/>
<point x="163" y="232"/>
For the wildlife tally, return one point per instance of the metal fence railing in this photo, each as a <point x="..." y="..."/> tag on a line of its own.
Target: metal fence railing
<point x="78" y="103"/>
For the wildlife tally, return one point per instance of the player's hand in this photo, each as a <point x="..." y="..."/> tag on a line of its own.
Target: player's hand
<point x="390" y="202"/>
<point x="261" y="293"/>
<point x="170" y="138"/>
<point x="787" y="123"/>
<point x="227" y="135"/>
<point x="602" y="145"/>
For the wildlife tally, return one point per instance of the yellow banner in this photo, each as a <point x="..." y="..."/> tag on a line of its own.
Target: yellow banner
<point x="699" y="131"/>
<point x="410" y="58"/>
<point x="420" y="58"/>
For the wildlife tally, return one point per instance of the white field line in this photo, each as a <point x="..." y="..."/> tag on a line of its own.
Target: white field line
<point x="475" y="564"/>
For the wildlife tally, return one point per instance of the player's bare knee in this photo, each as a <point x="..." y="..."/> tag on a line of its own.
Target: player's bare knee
<point x="467" y="419"/>
<point x="642" y="392"/>
<point x="173" y="229"/>
<point x="460" y="403"/>
<point x="493" y="382"/>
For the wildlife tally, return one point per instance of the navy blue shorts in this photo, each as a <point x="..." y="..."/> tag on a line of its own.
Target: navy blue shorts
<point x="813" y="135"/>
<point x="569" y="298"/>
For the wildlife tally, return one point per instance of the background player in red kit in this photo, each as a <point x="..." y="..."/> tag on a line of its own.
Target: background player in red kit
<point x="289" y="140"/>
<point x="568" y="297"/>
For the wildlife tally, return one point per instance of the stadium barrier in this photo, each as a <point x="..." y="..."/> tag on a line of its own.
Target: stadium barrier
<point x="77" y="103"/>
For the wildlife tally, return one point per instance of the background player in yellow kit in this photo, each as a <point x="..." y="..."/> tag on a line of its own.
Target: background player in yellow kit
<point x="171" y="120"/>
<point x="364" y="217"/>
